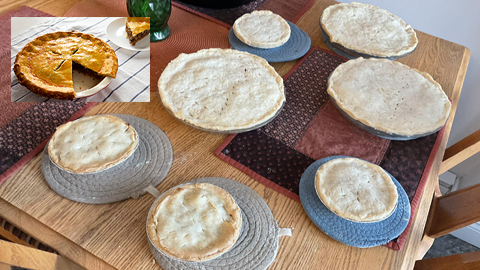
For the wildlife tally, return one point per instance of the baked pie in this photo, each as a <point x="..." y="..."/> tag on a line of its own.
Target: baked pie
<point x="389" y="96"/>
<point x="262" y="29"/>
<point x="369" y="30"/>
<point x="356" y="190"/>
<point x="221" y="89"/>
<point x="137" y="28"/>
<point x="194" y="222"/>
<point x="91" y="144"/>
<point x="45" y="64"/>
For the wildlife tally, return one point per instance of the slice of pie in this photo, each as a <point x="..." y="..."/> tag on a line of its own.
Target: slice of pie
<point x="194" y="222"/>
<point x="389" y="96"/>
<point x="45" y="64"/>
<point x="137" y="28"/>
<point x="356" y="190"/>
<point x="91" y="144"/>
<point x="367" y="29"/>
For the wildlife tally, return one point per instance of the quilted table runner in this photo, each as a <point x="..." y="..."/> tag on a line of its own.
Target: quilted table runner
<point x="310" y="127"/>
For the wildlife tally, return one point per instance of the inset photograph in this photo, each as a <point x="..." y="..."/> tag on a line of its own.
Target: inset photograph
<point x="100" y="59"/>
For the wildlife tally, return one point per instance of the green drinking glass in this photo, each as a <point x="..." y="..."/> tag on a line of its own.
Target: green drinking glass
<point x="158" y="11"/>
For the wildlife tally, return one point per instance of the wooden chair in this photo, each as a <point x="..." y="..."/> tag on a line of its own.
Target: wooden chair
<point x="452" y="211"/>
<point x="19" y="255"/>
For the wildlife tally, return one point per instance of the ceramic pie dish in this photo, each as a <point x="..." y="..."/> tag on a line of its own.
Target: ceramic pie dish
<point x="389" y="98"/>
<point x="194" y="222"/>
<point x="45" y="64"/>
<point x="92" y="144"/>
<point x="361" y="30"/>
<point x="356" y="190"/>
<point x="221" y="90"/>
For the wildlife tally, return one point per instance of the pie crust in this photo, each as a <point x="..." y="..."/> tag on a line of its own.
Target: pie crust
<point x="93" y="143"/>
<point x="356" y="190"/>
<point x="195" y="222"/>
<point x="262" y="29"/>
<point x="389" y="96"/>
<point x="44" y="65"/>
<point x="368" y="29"/>
<point x="221" y="89"/>
<point x="137" y="28"/>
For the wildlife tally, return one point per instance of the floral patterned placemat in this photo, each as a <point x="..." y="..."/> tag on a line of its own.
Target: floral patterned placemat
<point x="310" y="127"/>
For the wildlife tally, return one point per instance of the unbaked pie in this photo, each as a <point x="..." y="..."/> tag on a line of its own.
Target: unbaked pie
<point x="221" y="89"/>
<point x="93" y="143"/>
<point x="262" y="29"/>
<point x="137" y="28"/>
<point x="195" y="222"/>
<point x="356" y="190"/>
<point x="389" y="96"/>
<point x="367" y="29"/>
<point x="45" y="64"/>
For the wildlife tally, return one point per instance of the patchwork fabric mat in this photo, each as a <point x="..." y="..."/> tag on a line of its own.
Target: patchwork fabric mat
<point x="25" y="127"/>
<point x="289" y="10"/>
<point x="310" y="128"/>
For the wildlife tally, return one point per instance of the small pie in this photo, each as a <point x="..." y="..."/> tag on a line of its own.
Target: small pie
<point x="91" y="144"/>
<point x="356" y="190"/>
<point x="195" y="222"/>
<point x="389" y="96"/>
<point x="221" y="89"/>
<point x="368" y="29"/>
<point x="45" y="64"/>
<point x="262" y="29"/>
<point x="137" y="28"/>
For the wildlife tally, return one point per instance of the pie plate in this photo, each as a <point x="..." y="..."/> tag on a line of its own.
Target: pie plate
<point x="257" y="244"/>
<point x="116" y="33"/>
<point x="356" y="234"/>
<point x="296" y="47"/>
<point x="86" y="86"/>
<point x="352" y="54"/>
<point x="147" y="166"/>
<point x="379" y="133"/>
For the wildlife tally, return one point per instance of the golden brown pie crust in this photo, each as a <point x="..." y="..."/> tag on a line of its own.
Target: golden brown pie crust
<point x="44" y="65"/>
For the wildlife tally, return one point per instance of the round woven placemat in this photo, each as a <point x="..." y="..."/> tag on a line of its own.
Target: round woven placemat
<point x="352" y="233"/>
<point x="257" y="245"/>
<point x="148" y="165"/>
<point x="296" y="47"/>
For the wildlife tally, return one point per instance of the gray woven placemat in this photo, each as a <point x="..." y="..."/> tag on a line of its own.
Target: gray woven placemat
<point x="257" y="245"/>
<point x="147" y="166"/>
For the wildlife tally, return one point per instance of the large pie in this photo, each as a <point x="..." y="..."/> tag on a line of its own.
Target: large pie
<point x="356" y="190"/>
<point x="368" y="29"/>
<point x="221" y="89"/>
<point x="91" y="144"/>
<point x="195" y="222"/>
<point x="45" y="64"/>
<point x="389" y="96"/>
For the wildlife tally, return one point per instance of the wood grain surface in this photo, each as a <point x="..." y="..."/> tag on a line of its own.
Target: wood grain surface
<point x="115" y="233"/>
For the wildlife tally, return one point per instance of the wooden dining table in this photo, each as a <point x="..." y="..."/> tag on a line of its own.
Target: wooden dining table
<point x="112" y="236"/>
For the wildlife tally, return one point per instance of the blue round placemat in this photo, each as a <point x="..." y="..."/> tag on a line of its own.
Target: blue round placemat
<point x="352" y="233"/>
<point x="296" y="47"/>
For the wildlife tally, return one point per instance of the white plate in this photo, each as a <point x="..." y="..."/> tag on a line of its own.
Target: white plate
<point x="116" y="33"/>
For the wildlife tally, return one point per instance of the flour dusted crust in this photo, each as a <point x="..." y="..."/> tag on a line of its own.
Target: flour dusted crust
<point x="92" y="144"/>
<point x="389" y="96"/>
<point x="262" y="29"/>
<point x="221" y="89"/>
<point x="195" y="222"/>
<point x="356" y="190"/>
<point x="368" y="29"/>
<point x="44" y="65"/>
